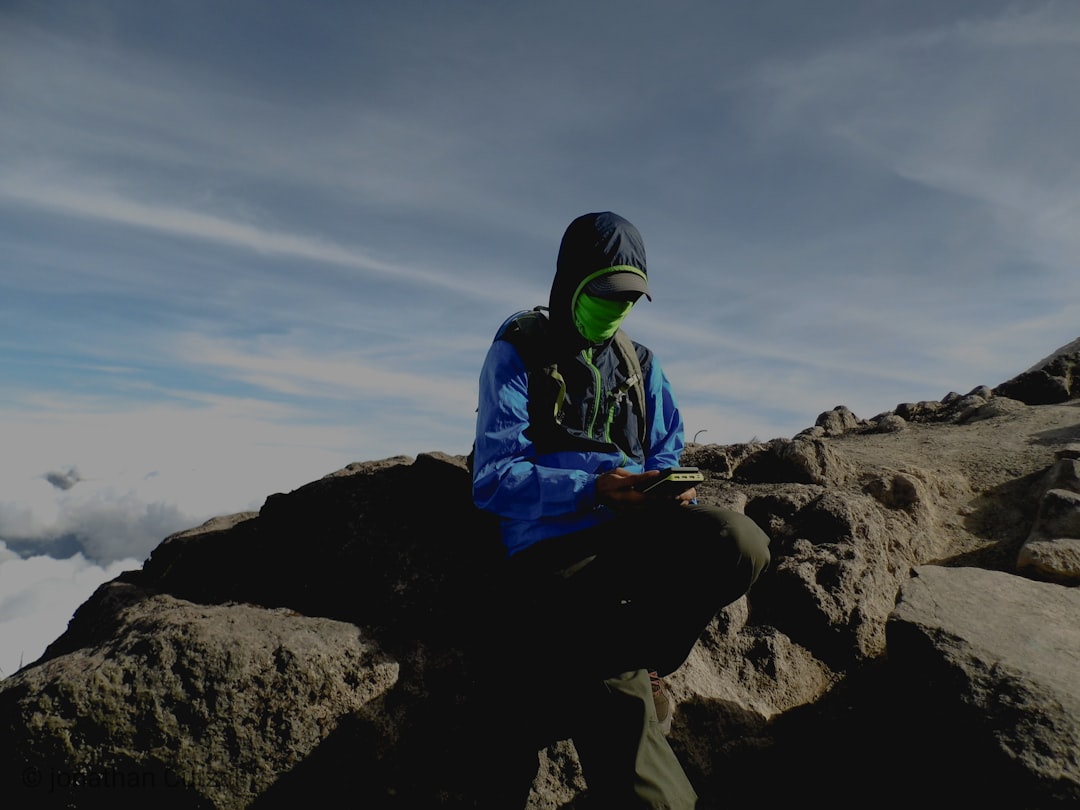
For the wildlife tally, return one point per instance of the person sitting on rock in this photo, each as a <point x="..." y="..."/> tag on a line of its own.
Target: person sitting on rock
<point x="607" y="588"/>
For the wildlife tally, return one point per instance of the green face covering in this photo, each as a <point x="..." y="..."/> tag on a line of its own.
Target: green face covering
<point x="598" y="318"/>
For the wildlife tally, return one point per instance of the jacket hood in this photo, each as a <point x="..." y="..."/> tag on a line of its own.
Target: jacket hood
<point x="594" y="244"/>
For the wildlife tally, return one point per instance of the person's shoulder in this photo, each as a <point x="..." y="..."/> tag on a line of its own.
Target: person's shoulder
<point x="528" y="332"/>
<point x="503" y="360"/>
<point x="522" y="325"/>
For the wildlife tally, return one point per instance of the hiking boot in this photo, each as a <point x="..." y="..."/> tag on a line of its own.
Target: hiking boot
<point x="662" y="701"/>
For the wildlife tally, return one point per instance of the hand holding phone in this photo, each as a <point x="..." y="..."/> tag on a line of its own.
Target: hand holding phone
<point x="671" y="482"/>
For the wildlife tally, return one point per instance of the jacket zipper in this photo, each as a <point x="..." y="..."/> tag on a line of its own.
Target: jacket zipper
<point x="597" y="387"/>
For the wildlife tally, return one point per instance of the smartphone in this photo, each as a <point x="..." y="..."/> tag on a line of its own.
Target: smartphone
<point x="671" y="482"/>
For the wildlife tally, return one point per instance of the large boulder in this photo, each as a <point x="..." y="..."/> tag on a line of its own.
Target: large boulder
<point x="994" y="660"/>
<point x="167" y="701"/>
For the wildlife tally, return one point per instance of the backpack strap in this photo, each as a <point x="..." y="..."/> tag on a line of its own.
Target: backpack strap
<point x="634" y="383"/>
<point x="526" y="331"/>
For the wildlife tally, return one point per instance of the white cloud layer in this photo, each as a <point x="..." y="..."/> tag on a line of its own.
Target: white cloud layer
<point x="38" y="596"/>
<point x="225" y="456"/>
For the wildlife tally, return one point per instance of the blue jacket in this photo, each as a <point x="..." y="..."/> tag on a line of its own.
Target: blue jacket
<point x="538" y="476"/>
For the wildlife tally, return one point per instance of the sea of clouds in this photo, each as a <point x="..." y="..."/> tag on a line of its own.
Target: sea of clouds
<point x="61" y="536"/>
<point x="66" y="530"/>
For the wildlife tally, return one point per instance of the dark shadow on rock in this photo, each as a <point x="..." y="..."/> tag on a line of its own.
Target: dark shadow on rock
<point x="414" y="765"/>
<point x="430" y="742"/>
<point x="121" y="783"/>
<point x="1003" y="516"/>
<point x="781" y="598"/>
<point x="1059" y="436"/>
<point x="949" y="743"/>
<point x="1045" y="386"/>
<point x="710" y="738"/>
<point x="399" y="551"/>
<point x="872" y="739"/>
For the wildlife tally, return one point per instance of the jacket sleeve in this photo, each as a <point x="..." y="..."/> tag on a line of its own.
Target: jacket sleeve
<point x="665" y="422"/>
<point x="506" y="478"/>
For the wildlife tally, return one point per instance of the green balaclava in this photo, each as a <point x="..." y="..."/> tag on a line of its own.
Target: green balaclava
<point x="604" y="298"/>
<point x="598" y="318"/>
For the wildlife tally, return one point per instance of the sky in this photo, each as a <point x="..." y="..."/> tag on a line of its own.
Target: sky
<point x="245" y="244"/>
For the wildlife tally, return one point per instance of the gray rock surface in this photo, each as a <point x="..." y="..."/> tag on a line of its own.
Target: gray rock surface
<point x="1052" y="549"/>
<point x="332" y="643"/>
<point x="1001" y="654"/>
<point x="204" y="702"/>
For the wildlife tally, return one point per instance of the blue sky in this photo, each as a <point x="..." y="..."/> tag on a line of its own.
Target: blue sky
<point x="244" y="244"/>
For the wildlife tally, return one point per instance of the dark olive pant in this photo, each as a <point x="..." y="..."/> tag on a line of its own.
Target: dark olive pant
<point x="587" y="616"/>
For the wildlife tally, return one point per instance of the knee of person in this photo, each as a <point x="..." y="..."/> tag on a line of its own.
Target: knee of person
<point x="734" y="528"/>
<point x="751" y="540"/>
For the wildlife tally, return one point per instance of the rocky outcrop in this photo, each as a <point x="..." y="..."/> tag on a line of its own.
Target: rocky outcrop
<point x="914" y="638"/>
<point x="1052" y="379"/>
<point x="1052" y="549"/>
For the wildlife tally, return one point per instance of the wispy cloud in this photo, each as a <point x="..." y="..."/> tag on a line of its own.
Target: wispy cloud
<point x="285" y="368"/>
<point x="983" y="109"/>
<point x="103" y="204"/>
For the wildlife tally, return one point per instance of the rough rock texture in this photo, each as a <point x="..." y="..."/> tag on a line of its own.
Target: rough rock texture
<point x="1052" y="549"/>
<point x="331" y="643"/>
<point x="222" y="698"/>
<point x="1001" y="655"/>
